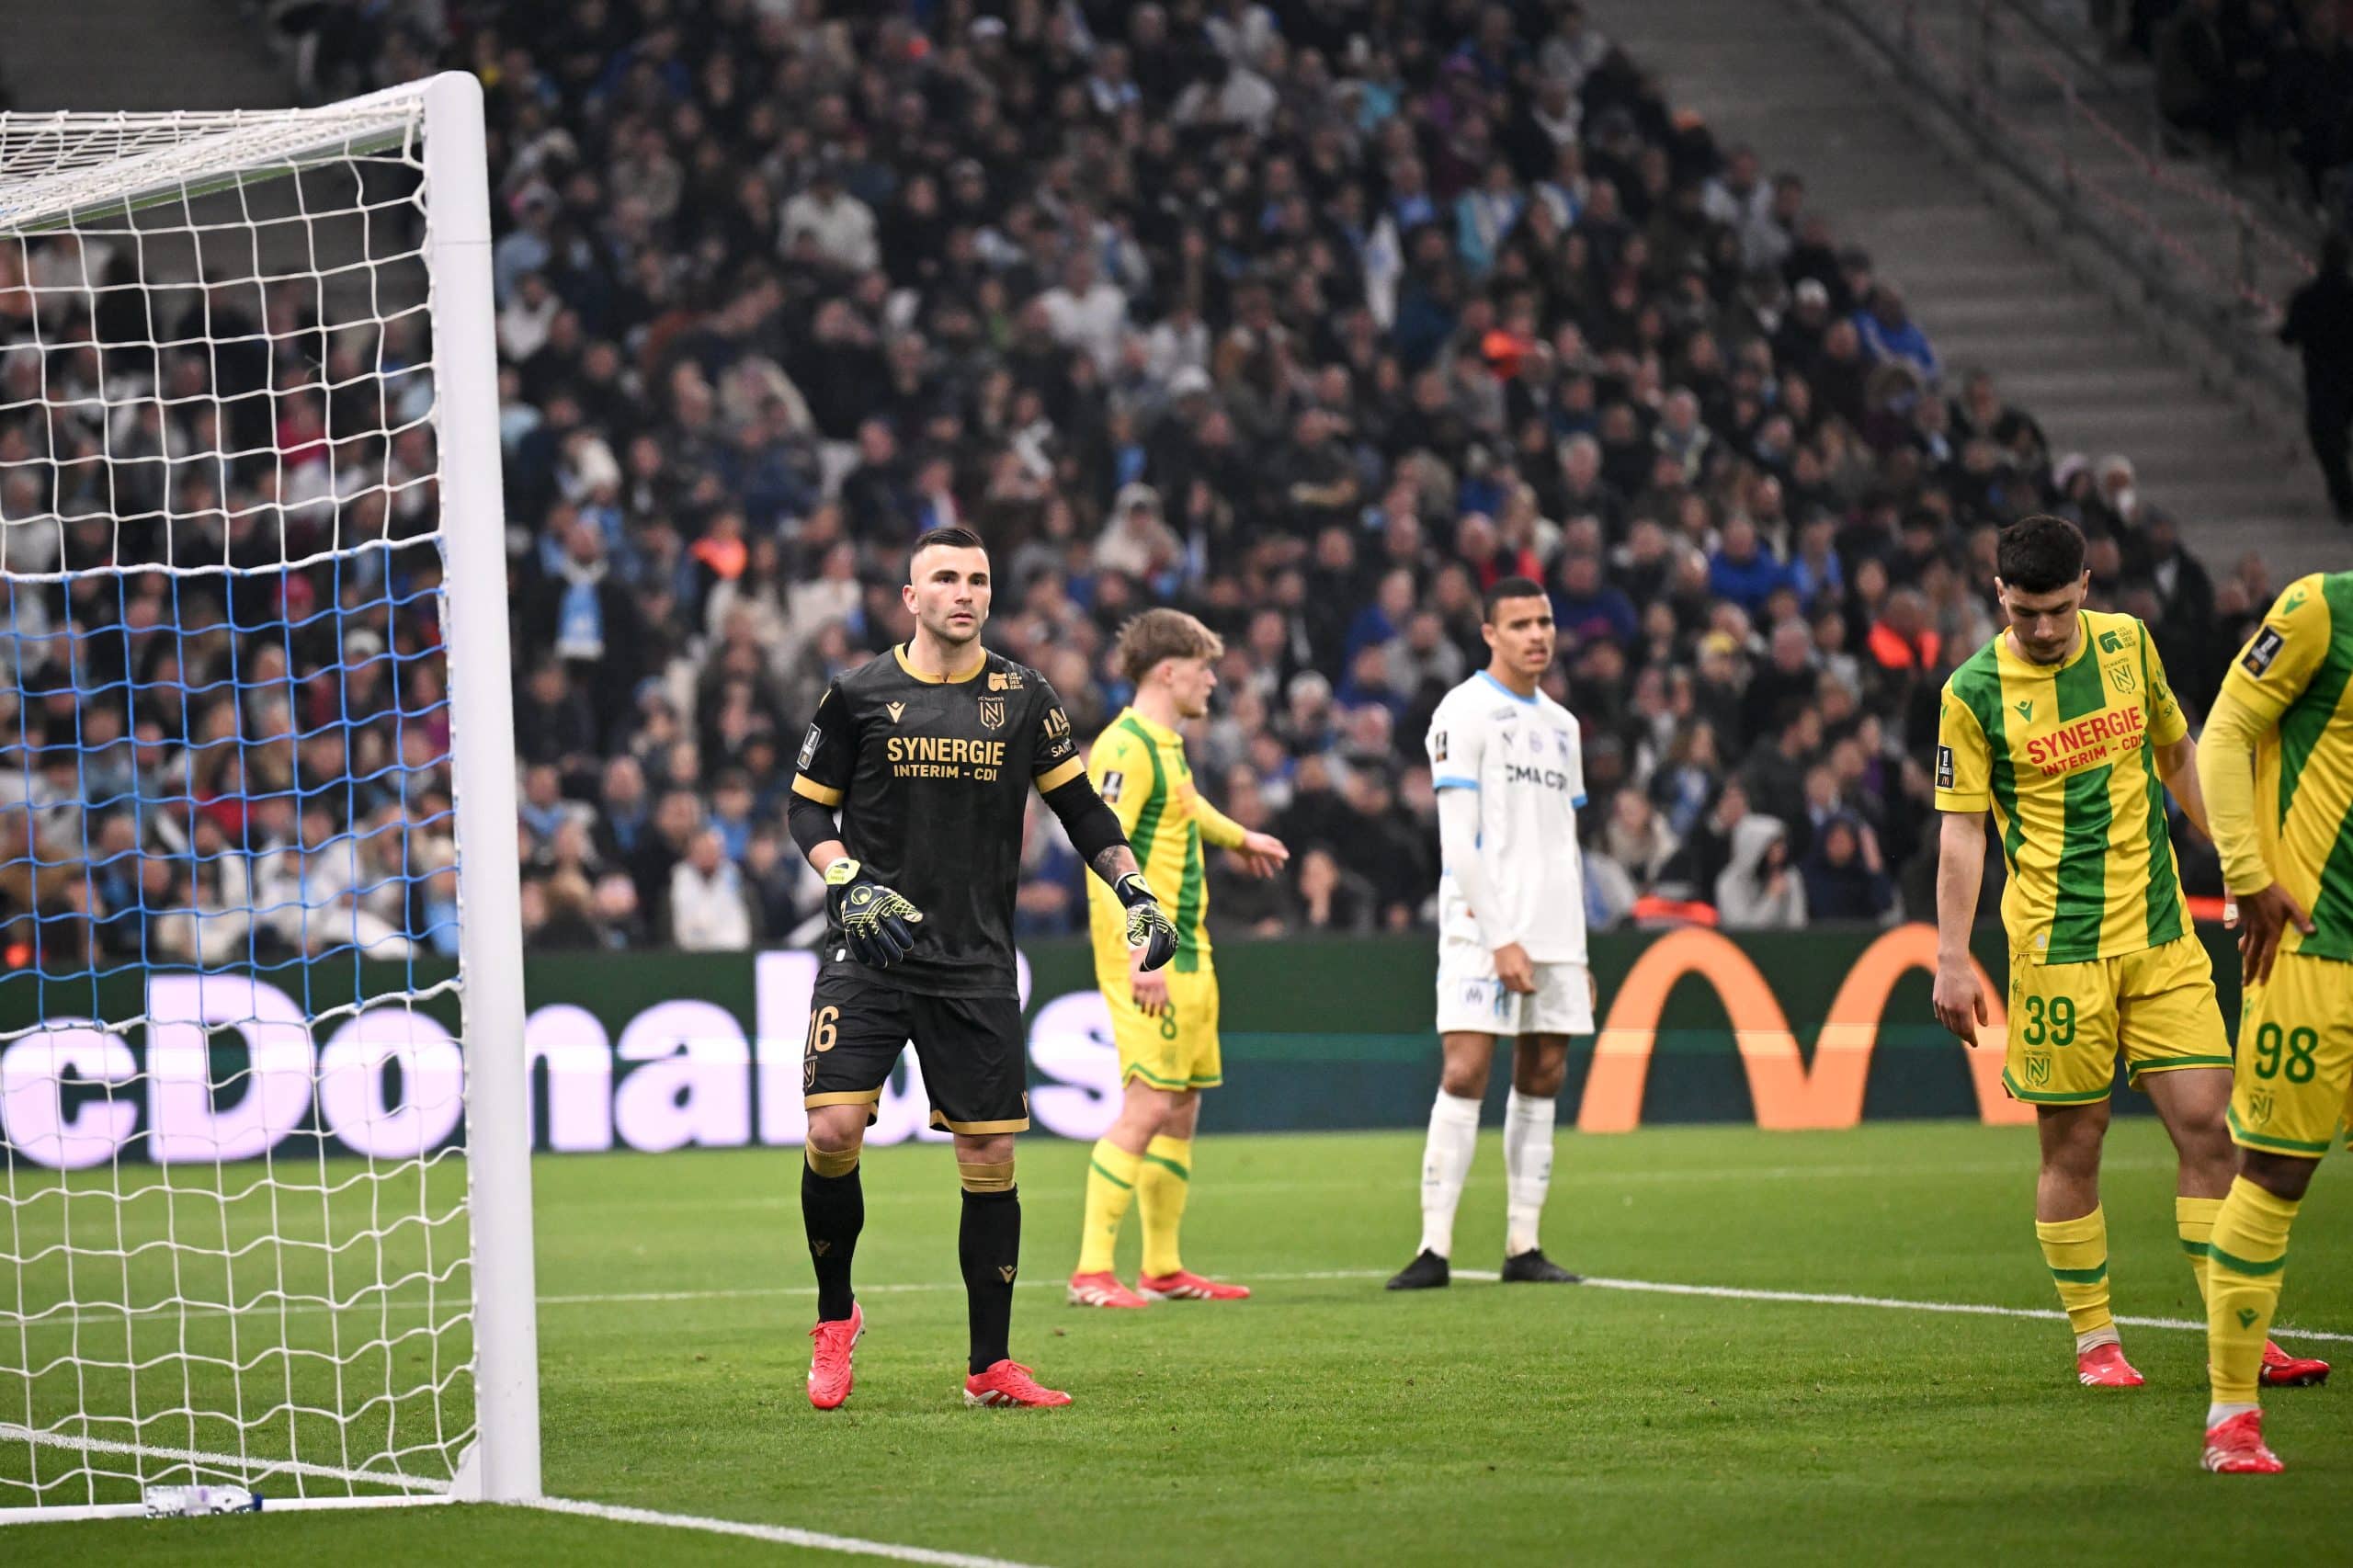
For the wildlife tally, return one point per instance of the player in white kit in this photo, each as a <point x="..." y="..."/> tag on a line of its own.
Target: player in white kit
<point x="1508" y="768"/>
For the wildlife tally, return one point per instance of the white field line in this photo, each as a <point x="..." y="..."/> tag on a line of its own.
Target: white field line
<point x="931" y="1287"/>
<point x="254" y="1467"/>
<point x="1901" y="1303"/>
<point x="1227" y="1187"/>
<point x="780" y="1534"/>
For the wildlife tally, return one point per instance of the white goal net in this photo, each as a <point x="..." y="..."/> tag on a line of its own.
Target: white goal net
<point x="264" y="1190"/>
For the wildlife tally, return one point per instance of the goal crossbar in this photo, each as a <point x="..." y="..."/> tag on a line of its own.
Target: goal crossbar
<point x="102" y="165"/>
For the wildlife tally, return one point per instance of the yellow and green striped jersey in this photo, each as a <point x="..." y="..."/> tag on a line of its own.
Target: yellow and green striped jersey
<point x="1140" y="771"/>
<point x="2065" y="755"/>
<point x="2287" y="699"/>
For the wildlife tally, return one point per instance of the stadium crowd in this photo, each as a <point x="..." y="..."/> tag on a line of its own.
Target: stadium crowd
<point x="2233" y="70"/>
<point x="1314" y="318"/>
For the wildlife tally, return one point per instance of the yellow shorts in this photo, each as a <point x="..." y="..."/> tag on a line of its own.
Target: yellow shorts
<point x="2070" y="1021"/>
<point x="2295" y="1065"/>
<point x="1176" y="1048"/>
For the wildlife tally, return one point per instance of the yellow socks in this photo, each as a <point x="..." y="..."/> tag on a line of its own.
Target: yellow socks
<point x="1161" y="1186"/>
<point x="2077" y="1253"/>
<point x="2194" y="1217"/>
<point x="1156" y="1182"/>
<point x="1110" y="1186"/>
<point x="2244" y="1263"/>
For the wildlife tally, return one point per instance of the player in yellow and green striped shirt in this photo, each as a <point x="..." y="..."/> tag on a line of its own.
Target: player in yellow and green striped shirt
<point x="1164" y="1022"/>
<point x="2278" y="768"/>
<point x="2065" y="725"/>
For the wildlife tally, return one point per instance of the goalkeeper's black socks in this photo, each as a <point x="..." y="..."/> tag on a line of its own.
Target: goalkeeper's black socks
<point x="833" y="1211"/>
<point x="988" y="1244"/>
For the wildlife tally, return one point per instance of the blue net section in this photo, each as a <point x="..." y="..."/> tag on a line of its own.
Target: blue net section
<point x="244" y="771"/>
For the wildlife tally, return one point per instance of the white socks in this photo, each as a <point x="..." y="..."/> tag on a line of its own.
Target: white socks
<point x="2093" y="1338"/>
<point x="1527" y="1168"/>
<point x="2218" y="1414"/>
<point x="1446" y="1163"/>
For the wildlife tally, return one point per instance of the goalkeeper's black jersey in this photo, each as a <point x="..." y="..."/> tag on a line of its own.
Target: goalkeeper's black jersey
<point x="931" y="778"/>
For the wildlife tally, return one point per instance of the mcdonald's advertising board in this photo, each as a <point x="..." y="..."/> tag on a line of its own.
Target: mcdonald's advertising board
<point x="655" y="1051"/>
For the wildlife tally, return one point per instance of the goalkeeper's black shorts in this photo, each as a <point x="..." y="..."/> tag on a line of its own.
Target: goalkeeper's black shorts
<point x="972" y="1050"/>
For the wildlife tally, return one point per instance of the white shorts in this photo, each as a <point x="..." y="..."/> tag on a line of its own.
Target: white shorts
<point x="1471" y="1000"/>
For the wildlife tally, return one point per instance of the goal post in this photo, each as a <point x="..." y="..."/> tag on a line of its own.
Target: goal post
<point x="265" y="1106"/>
<point x="498" y="1101"/>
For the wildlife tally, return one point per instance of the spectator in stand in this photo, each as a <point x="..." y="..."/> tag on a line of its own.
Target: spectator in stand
<point x="1637" y="839"/>
<point x="1844" y="877"/>
<point x="2319" y="325"/>
<point x="1890" y="334"/>
<point x="2315" y="110"/>
<point x="827" y="225"/>
<point x="1333" y="901"/>
<point x="2197" y="90"/>
<point x="1585" y="609"/>
<point x="1758" y="889"/>
<point x="1787" y="681"/>
<point x="1744" y="568"/>
<point x="707" y="910"/>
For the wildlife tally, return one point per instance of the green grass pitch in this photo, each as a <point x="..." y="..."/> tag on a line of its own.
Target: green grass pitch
<point x="1328" y="1421"/>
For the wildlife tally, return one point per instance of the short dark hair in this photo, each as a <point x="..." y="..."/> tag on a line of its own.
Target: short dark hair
<point x="2040" y="554"/>
<point x="952" y="537"/>
<point x="1504" y="588"/>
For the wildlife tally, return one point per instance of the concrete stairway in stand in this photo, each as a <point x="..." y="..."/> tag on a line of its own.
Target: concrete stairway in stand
<point x="1783" y="76"/>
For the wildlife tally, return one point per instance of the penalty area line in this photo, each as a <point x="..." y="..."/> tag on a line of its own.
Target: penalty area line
<point x="1592" y="1282"/>
<point x="1907" y="1304"/>
<point x="778" y="1535"/>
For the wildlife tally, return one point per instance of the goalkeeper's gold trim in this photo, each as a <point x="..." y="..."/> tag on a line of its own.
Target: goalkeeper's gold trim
<point x="1061" y="773"/>
<point x="900" y="653"/>
<point x="985" y="1176"/>
<point x="803" y="785"/>
<point x="830" y="1162"/>
<point x="845" y="1097"/>
<point x="981" y="1128"/>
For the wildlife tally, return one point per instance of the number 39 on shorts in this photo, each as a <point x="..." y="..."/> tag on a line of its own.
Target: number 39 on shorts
<point x="2048" y="1021"/>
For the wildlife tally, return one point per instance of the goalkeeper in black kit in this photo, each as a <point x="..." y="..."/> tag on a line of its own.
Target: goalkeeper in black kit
<point x="929" y="754"/>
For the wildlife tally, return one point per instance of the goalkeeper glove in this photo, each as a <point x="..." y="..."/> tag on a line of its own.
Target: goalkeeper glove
<point x="876" y="922"/>
<point x="1149" y="926"/>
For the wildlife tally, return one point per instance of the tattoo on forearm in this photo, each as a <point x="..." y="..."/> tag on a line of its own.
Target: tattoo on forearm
<point x="1114" y="862"/>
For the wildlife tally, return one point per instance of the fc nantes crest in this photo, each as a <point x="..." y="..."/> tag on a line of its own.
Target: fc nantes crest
<point x="993" y="712"/>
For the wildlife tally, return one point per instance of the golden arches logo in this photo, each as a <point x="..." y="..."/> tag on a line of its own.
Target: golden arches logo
<point x="1788" y="1096"/>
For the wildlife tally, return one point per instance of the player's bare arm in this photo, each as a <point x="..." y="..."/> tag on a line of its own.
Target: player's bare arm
<point x="2264" y="919"/>
<point x="1112" y="862"/>
<point x="1262" y="854"/>
<point x="1959" y="999"/>
<point x="2177" y="766"/>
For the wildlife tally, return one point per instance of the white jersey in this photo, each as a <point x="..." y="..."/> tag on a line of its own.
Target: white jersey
<point x="1524" y="756"/>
